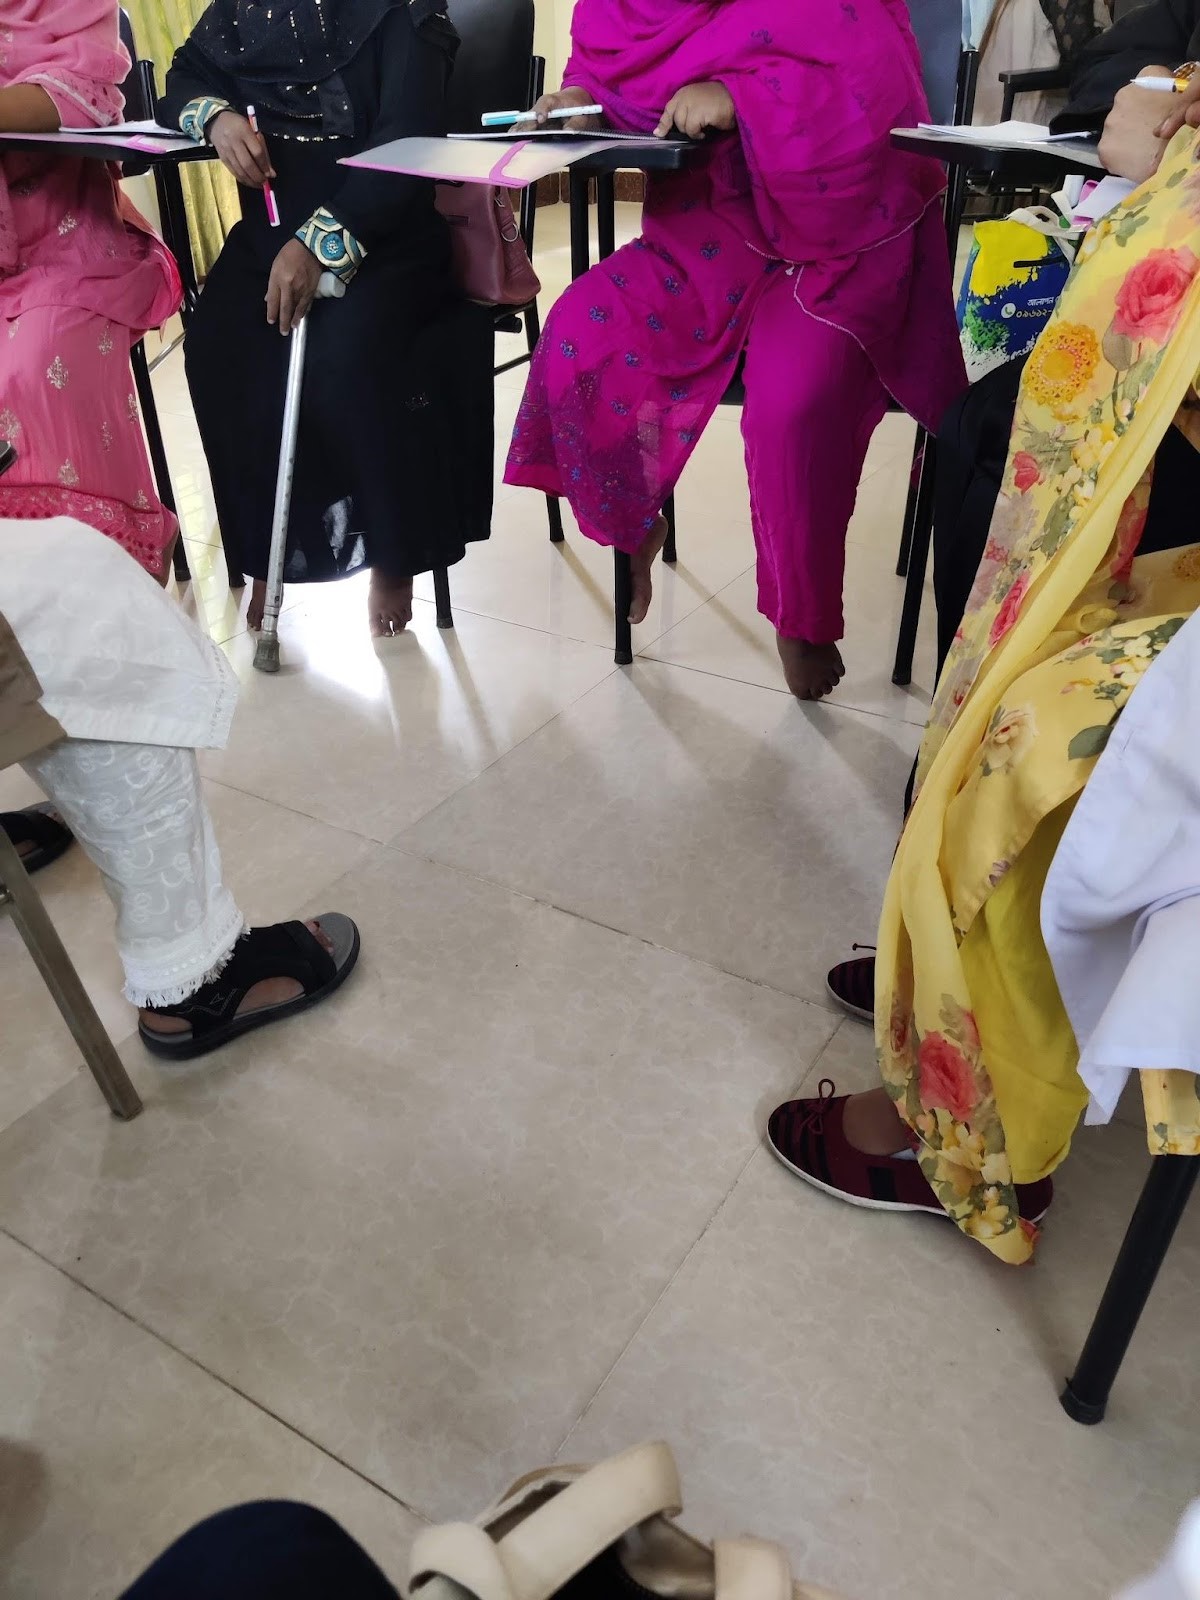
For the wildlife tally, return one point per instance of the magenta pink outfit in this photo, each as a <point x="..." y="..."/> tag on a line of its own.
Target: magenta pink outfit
<point x="805" y="242"/>
<point x="82" y="277"/>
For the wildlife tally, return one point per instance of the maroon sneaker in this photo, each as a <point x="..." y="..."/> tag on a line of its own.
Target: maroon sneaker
<point x="809" y="1138"/>
<point x="852" y="985"/>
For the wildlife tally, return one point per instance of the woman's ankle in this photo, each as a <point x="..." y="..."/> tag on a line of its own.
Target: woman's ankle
<point x="873" y="1125"/>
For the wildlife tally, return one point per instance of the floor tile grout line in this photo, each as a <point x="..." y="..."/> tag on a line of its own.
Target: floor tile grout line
<point x="504" y="755"/>
<point x="662" y="1294"/>
<point x="199" y="1366"/>
<point x="609" y="927"/>
<point x="828" y="704"/>
<point x="292" y="811"/>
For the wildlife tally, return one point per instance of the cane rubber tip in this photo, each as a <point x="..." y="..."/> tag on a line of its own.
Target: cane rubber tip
<point x="266" y="655"/>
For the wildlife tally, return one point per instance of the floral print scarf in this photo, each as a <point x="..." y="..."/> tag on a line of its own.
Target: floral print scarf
<point x="1059" y="629"/>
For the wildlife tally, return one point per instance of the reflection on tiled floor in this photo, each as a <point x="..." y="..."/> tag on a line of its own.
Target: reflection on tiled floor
<point x="504" y="1198"/>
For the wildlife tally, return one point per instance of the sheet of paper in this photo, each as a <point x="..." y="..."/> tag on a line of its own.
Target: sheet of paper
<point x="1014" y="133"/>
<point x="567" y="135"/>
<point x="510" y="164"/>
<point x="127" y="130"/>
<point x="162" y="143"/>
<point x="1000" y="135"/>
<point x="1101" y="198"/>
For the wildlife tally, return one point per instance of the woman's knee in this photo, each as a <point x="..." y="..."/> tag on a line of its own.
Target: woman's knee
<point x="802" y="405"/>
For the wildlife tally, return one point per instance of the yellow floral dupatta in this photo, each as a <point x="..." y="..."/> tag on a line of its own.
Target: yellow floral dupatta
<point x="975" y="1047"/>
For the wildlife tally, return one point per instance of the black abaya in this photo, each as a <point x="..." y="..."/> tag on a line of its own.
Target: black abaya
<point x="395" y="461"/>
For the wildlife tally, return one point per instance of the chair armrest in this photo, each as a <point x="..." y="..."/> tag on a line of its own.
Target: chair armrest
<point x="1029" y="80"/>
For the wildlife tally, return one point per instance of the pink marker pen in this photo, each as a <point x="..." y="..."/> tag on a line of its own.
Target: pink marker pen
<point x="268" y="192"/>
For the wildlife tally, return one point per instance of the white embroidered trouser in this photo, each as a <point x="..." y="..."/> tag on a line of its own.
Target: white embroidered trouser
<point x="139" y="813"/>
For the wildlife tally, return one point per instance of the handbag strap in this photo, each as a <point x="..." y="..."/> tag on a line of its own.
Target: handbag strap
<point x="543" y="1550"/>
<point x="751" y="1569"/>
<point x="459" y="1559"/>
<point x="1051" y="225"/>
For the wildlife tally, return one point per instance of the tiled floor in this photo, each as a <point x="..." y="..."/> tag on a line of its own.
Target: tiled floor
<point x="504" y="1198"/>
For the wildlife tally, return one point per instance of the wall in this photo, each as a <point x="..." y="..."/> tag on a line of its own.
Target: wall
<point x="558" y="25"/>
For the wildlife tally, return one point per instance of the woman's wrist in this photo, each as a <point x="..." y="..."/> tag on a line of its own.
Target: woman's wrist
<point x="334" y="246"/>
<point x="197" y="117"/>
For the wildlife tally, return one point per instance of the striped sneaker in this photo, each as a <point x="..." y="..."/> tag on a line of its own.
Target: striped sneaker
<point x="809" y="1138"/>
<point x="852" y="985"/>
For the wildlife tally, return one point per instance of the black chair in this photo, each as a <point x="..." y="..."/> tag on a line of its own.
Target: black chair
<point x="914" y="550"/>
<point x="1030" y="82"/>
<point x="496" y="70"/>
<point x="138" y="90"/>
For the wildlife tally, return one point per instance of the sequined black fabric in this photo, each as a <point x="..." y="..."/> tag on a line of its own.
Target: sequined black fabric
<point x="290" y="54"/>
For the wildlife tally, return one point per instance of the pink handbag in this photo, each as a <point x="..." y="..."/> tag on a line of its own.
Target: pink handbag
<point x="490" y="262"/>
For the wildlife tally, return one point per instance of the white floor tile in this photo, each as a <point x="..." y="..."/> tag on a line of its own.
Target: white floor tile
<point x="706" y="815"/>
<point x="420" y="1224"/>
<point x="112" y="1445"/>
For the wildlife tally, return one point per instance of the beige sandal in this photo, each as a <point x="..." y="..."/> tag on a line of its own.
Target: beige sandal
<point x="611" y="1524"/>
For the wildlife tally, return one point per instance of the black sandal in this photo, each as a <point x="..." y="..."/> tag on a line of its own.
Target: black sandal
<point x="287" y="950"/>
<point x="38" y="826"/>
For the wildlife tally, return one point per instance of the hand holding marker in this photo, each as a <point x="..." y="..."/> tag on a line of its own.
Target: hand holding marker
<point x="268" y="192"/>
<point x="501" y="119"/>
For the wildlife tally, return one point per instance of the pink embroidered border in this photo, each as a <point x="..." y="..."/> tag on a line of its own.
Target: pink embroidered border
<point x="144" y="534"/>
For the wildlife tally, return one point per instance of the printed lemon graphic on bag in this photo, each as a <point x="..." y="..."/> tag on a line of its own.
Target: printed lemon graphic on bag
<point x="1013" y="280"/>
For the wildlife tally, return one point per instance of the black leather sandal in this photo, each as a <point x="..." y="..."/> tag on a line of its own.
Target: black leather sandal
<point x="38" y="826"/>
<point x="287" y="950"/>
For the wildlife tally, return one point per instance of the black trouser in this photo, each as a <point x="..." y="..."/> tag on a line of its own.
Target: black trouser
<point x="268" y="1550"/>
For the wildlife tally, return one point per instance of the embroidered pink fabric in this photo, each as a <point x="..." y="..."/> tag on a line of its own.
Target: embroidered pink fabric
<point x="810" y="185"/>
<point x="81" y="276"/>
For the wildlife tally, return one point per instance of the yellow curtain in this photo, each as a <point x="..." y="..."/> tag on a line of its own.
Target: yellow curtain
<point x="159" y="26"/>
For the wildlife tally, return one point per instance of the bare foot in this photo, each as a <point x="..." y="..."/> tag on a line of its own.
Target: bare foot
<point x="812" y="670"/>
<point x="643" y="560"/>
<point x="872" y="1124"/>
<point x="270" y="992"/>
<point x="258" y="604"/>
<point x="389" y="605"/>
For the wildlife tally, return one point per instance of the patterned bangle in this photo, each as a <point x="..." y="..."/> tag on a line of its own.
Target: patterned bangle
<point x="197" y="114"/>
<point x="335" y="247"/>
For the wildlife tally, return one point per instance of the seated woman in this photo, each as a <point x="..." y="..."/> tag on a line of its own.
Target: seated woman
<point x="82" y="277"/>
<point x="801" y="242"/>
<point x="137" y="690"/>
<point x="981" y="1090"/>
<point x="394" y="468"/>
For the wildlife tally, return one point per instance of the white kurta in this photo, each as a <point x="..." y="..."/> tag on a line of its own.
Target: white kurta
<point x="1121" y="904"/>
<point x="138" y="689"/>
<point x="116" y="658"/>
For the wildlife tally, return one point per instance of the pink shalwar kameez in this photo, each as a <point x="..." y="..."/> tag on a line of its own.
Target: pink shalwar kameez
<point x="81" y="279"/>
<point x="805" y="243"/>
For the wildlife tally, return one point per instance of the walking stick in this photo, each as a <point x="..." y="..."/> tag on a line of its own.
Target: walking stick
<point x="266" y="654"/>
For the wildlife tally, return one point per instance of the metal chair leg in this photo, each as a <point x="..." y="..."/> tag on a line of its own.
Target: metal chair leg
<point x="157" y="448"/>
<point x="1163" y="1201"/>
<point x="554" y="512"/>
<point x="918" y="562"/>
<point x="441" y="594"/>
<point x="910" y="506"/>
<point x="52" y="961"/>
<point x="623" y="599"/>
<point x="606" y="214"/>
<point x="669" y="553"/>
<point x="533" y="325"/>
